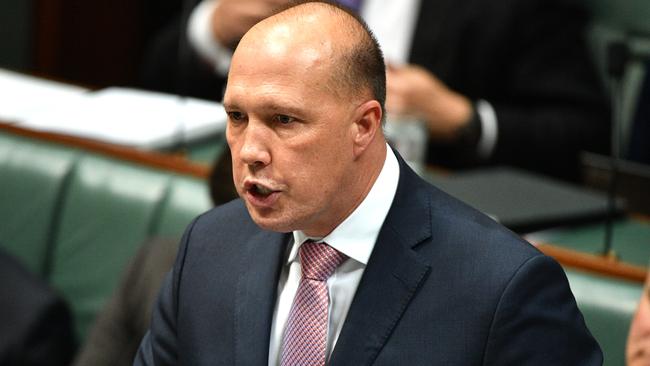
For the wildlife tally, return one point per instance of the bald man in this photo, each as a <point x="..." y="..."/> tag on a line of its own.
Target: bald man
<point x="498" y="82"/>
<point x="337" y="253"/>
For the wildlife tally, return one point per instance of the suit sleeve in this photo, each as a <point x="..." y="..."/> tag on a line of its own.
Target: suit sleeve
<point x="537" y="321"/>
<point x="159" y="346"/>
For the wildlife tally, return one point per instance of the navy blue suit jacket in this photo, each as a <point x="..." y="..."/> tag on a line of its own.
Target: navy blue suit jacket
<point x="445" y="285"/>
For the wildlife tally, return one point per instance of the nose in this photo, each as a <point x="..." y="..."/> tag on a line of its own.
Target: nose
<point x="254" y="150"/>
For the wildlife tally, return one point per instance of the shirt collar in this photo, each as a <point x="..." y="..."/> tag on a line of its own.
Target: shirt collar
<point x="357" y="234"/>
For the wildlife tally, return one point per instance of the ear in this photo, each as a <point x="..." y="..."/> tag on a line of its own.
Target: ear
<point x="366" y="126"/>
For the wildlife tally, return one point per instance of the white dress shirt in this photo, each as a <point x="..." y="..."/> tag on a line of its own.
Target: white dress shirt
<point x="392" y="22"/>
<point x="354" y="237"/>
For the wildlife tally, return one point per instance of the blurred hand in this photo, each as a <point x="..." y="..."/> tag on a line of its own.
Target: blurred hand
<point x="232" y="18"/>
<point x="637" y="351"/>
<point x="413" y="91"/>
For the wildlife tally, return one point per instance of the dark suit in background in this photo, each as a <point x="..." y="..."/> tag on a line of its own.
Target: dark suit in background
<point x="445" y="285"/>
<point x="35" y="324"/>
<point x="527" y="58"/>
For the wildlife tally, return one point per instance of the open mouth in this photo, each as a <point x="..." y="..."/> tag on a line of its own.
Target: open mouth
<point x="258" y="190"/>
<point x="261" y="195"/>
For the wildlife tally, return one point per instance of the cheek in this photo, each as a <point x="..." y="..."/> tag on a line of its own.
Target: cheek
<point x="229" y="137"/>
<point x="321" y="170"/>
<point x="234" y="138"/>
<point x="237" y="174"/>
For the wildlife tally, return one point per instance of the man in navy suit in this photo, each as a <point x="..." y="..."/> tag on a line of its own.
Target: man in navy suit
<point x="422" y="278"/>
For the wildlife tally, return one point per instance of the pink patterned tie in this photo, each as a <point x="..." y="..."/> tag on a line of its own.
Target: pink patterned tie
<point x="305" y="338"/>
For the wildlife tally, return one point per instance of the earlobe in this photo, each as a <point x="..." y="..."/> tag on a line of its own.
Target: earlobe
<point x="367" y="125"/>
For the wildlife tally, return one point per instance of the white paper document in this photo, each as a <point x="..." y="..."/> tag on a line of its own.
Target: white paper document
<point x="22" y="96"/>
<point x="134" y="117"/>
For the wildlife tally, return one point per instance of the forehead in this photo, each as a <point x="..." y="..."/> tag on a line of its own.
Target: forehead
<point x="269" y="70"/>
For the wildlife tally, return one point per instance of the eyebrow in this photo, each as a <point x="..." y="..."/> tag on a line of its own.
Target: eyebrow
<point x="270" y="106"/>
<point x="283" y="108"/>
<point x="227" y="105"/>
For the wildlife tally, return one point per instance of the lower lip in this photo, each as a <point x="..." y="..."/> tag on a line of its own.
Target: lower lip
<point x="262" y="201"/>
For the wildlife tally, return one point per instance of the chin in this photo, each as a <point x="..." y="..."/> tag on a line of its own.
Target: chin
<point x="271" y="223"/>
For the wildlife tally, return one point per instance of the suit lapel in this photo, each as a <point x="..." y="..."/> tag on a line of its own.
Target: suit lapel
<point x="255" y="298"/>
<point x="391" y="278"/>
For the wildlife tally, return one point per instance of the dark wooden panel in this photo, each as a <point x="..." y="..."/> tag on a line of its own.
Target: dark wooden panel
<point x="96" y="42"/>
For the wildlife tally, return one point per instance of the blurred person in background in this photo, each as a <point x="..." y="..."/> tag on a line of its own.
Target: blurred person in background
<point x="495" y="82"/>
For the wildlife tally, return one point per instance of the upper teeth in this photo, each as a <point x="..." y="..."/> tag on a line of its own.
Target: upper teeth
<point x="262" y="190"/>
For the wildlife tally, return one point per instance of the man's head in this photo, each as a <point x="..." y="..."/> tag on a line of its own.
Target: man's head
<point x="305" y="102"/>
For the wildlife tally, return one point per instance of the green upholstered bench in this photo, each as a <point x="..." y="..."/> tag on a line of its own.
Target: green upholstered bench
<point x="32" y="183"/>
<point x="108" y="211"/>
<point x="98" y="210"/>
<point x="629" y="239"/>
<point x="186" y="197"/>
<point x="76" y="216"/>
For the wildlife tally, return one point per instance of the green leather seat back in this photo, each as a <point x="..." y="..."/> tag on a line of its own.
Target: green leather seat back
<point x="627" y="14"/>
<point x="6" y="143"/>
<point x="186" y="199"/>
<point x="32" y="180"/>
<point x="608" y="306"/>
<point x="622" y="20"/>
<point x="629" y="239"/>
<point x="107" y="214"/>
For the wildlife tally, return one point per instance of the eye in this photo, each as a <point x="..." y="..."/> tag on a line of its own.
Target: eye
<point x="284" y="119"/>
<point x="235" y="116"/>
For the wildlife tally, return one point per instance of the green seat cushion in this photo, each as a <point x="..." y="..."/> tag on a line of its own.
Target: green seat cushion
<point x="32" y="181"/>
<point x="187" y="197"/>
<point x="608" y="305"/>
<point x="628" y="14"/>
<point x="6" y="143"/>
<point x="629" y="240"/>
<point x="107" y="214"/>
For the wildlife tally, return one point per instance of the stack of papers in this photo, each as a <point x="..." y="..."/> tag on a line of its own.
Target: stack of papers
<point x="22" y="96"/>
<point x="122" y="116"/>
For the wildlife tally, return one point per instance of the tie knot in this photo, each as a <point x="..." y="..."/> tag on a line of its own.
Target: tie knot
<point x="319" y="260"/>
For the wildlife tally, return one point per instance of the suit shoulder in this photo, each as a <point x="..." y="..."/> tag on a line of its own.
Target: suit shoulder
<point x="473" y="240"/>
